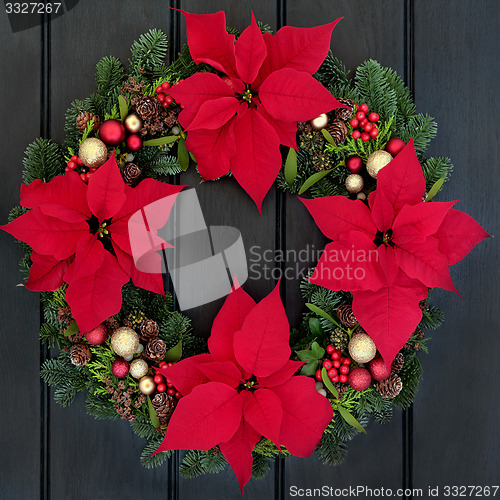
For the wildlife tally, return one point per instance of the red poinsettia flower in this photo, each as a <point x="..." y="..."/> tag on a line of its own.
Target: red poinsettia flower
<point x="389" y="253"/>
<point x="79" y="235"/>
<point x="236" y="122"/>
<point x="245" y="388"/>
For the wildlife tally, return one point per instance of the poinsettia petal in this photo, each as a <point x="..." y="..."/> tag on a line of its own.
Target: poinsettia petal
<point x="263" y="411"/>
<point x="250" y="51"/>
<point x="382" y="210"/>
<point x="458" y="235"/>
<point x="106" y="192"/>
<point x="225" y="372"/>
<point x="209" y="41"/>
<point x="402" y="179"/>
<point x="391" y="314"/>
<point x="185" y="375"/>
<point x="336" y="215"/>
<point x="257" y="160"/>
<point x="301" y="428"/>
<point x="213" y="150"/>
<point x="215" y="113"/>
<point x="290" y="96"/>
<point x="209" y="415"/>
<point x="261" y="346"/>
<point x="228" y="321"/>
<point x="63" y="213"/>
<point x="46" y="273"/>
<point x="238" y="452"/>
<point x="287" y="131"/>
<point x="388" y="262"/>
<point x="282" y="375"/>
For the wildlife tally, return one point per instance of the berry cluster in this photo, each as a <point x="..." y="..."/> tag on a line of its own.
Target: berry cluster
<point x="163" y="385"/>
<point x="162" y="94"/>
<point x="364" y="123"/>
<point x="337" y="368"/>
<point x="75" y="163"/>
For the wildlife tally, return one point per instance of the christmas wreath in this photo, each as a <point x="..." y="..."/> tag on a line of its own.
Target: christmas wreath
<point x="228" y="102"/>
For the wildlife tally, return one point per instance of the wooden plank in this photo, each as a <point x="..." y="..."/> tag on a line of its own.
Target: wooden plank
<point x="19" y="308"/>
<point x="368" y="30"/>
<point x="457" y="411"/>
<point x="107" y="451"/>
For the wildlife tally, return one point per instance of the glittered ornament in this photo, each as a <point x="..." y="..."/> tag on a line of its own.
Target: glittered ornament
<point x="120" y="368"/>
<point x="138" y="368"/>
<point x="112" y="132"/>
<point x="93" y="152"/>
<point x="133" y="123"/>
<point x="378" y="369"/>
<point x="361" y="196"/>
<point x="354" y="164"/>
<point x="124" y="341"/>
<point x="359" y="378"/>
<point x="134" y="142"/>
<point x="377" y="161"/>
<point x="394" y="146"/>
<point x="320" y="121"/>
<point x="362" y="348"/>
<point x="98" y="335"/>
<point x="354" y="183"/>
<point x="147" y="385"/>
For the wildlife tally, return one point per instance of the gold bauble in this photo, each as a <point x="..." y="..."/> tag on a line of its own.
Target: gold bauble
<point x="354" y="183"/>
<point x="362" y="348"/>
<point x="93" y="152"/>
<point x="138" y="368"/>
<point x="361" y="196"/>
<point x="377" y="161"/>
<point x="147" y="385"/>
<point x="320" y="121"/>
<point x="133" y="123"/>
<point x="124" y="341"/>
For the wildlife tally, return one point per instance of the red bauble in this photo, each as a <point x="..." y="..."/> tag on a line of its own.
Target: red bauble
<point x="112" y="132"/>
<point x="98" y="335"/>
<point x="394" y="146"/>
<point x="359" y="379"/>
<point x="134" y="142"/>
<point x="120" y="368"/>
<point x="378" y="369"/>
<point x="354" y="164"/>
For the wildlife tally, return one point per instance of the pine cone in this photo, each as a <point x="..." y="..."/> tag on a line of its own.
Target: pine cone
<point x="322" y="160"/>
<point x="75" y="338"/>
<point x="64" y="315"/>
<point x="149" y="330"/>
<point x="341" y="388"/>
<point x="390" y="387"/>
<point x="80" y="354"/>
<point x="164" y="406"/>
<point x="134" y="319"/>
<point x="397" y="363"/>
<point x="155" y="350"/>
<point x="112" y="324"/>
<point x="343" y="113"/>
<point x="338" y="131"/>
<point x="130" y="173"/>
<point x="83" y="119"/>
<point x="346" y="316"/>
<point x="147" y="107"/>
<point x="424" y="306"/>
<point x="339" y="339"/>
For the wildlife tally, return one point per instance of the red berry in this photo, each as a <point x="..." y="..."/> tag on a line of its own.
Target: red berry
<point x="365" y="136"/>
<point x="356" y="107"/>
<point x="169" y="99"/>
<point x="169" y="383"/>
<point x="369" y="127"/>
<point x="158" y="89"/>
<point x="336" y="355"/>
<point x="178" y="395"/>
<point x="374" y="133"/>
<point x="354" y="122"/>
<point x="335" y="379"/>
<point x="83" y="177"/>
<point x="170" y="364"/>
<point x="356" y="134"/>
<point x="330" y="349"/>
<point x="67" y="169"/>
<point x="336" y="363"/>
<point x="332" y="373"/>
<point x="347" y="361"/>
<point x="364" y="108"/>
<point x="79" y="161"/>
<point x="158" y="379"/>
<point x="165" y="86"/>
<point x="343" y="378"/>
<point x="165" y="104"/>
<point x="363" y="122"/>
<point x="344" y="369"/>
<point x="72" y="164"/>
<point x="318" y="375"/>
<point x="92" y="169"/>
<point x="74" y="158"/>
<point x="171" y="392"/>
<point x="360" y="115"/>
<point x="327" y="364"/>
<point x="373" y="117"/>
<point x="161" y="388"/>
<point x="163" y="364"/>
<point x="161" y="97"/>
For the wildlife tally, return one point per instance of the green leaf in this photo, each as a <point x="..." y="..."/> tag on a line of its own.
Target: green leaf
<point x="182" y="154"/>
<point x="317" y="350"/>
<point x="123" y="107"/>
<point x="71" y="330"/>
<point x="320" y="312"/>
<point x="306" y="355"/>
<point x="309" y="369"/>
<point x="315" y="326"/>
<point x="291" y="166"/>
<point x="349" y="418"/>
<point x="328" y="383"/>
<point x="152" y="414"/>
<point x="173" y="355"/>
<point x="328" y="136"/>
<point x="435" y="189"/>
<point x="313" y="179"/>
<point x="161" y="141"/>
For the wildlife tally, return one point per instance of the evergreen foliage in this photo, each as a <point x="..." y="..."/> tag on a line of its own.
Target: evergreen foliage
<point x="109" y="76"/>
<point x="148" y="54"/>
<point x="196" y="462"/>
<point x="43" y="159"/>
<point x="150" y="461"/>
<point x="436" y="168"/>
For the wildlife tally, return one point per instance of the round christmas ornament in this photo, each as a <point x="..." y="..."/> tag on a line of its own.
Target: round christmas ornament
<point x="133" y="123"/>
<point x="354" y="183"/>
<point x="97" y="335"/>
<point x="320" y="121"/>
<point x="124" y="341"/>
<point x="93" y="152"/>
<point x="112" y="132"/>
<point x="378" y="369"/>
<point x="394" y="146"/>
<point x="134" y="142"/>
<point x="120" y="368"/>
<point x="354" y="164"/>
<point x="359" y="379"/>
<point x="138" y="368"/>
<point x="376" y="161"/>
<point x="362" y="348"/>
<point x="147" y="385"/>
